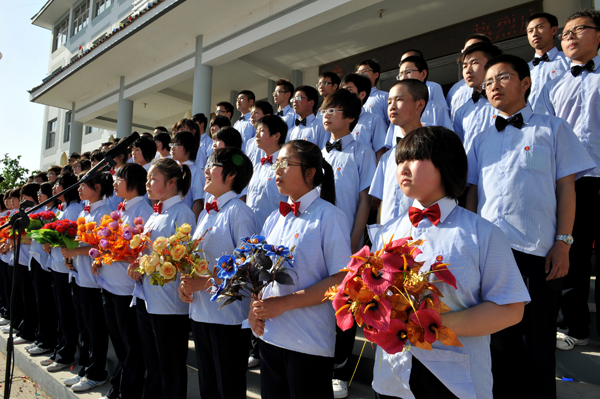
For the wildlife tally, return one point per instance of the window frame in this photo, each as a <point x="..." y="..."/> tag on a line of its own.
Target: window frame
<point x="51" y="133"/>
<point x="61" y="30"/>
<point x="78" y="22"/>
<point x="101" y="5"/>
<point x="67" y="129"/>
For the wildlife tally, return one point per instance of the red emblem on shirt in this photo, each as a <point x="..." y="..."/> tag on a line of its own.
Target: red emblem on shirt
<point x="527" y="148"/>
<point x="494" y="117"/>
<point x="339" y="168"/>
<point x="553" y="71"/>
<point x="296" y="235"/>
<point x="439" y="258"/>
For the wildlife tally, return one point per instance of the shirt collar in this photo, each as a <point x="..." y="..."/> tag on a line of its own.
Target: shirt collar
<point x="551" y="54"/>
<point x="525" y="112"/>
<point x="373" y="90"/>
<point x="133" y="201"/>
<point x="306" y="200"/>
<point x="274" y="155"/>
<point x="223" y="199"/>
<point x="147" y="166"/>
<point x="170" y="202"/>
<point x="247" y="117"/>
<point x="446" y="205"/>
<point x="96" y="205"/>
<point x="309" y="118"/>
<point x="188" y="162"/>
<point x="596" y="60"/>
<point x="286" y="109"/>
<point x="347" y="139"/>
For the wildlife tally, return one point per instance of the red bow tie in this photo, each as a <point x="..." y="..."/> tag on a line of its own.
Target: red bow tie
<point x="433" y="214"/>
<point x="268" y="159"/>
<point x="86" y="208"/>
<point x="158" y="208"/>
<point x="212" y="205"/>
<point x="285" y="208"/>
<point x="121" y="207"/>
<point x="61" y="207"/>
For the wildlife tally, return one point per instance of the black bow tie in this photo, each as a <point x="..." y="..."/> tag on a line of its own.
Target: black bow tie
<point x="300" y="122"/>
<point x="537" y="60"/>
<point x="515" y="120"/>
<point x="337" y="145"/>
<point x="577" y="69"/>
<point x="241" y="119"/>
<point x="398" y="140"/>
<point x="477" y="95"/>
<point x="280" y="113"/>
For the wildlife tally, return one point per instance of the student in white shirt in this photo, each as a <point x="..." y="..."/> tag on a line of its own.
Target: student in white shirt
<point x="307" y="125"/>
<point x="204" y="136"/>
<point x="244" y="103"/>
<point x="143" y="151"/>
<point x="163" y="145"/>
<point x="184" y="150"/>
<point x="259" y="109"/>
<point x="328" y="83"/>
<point x="282" y="96"/>
<point x="377" y="102"/>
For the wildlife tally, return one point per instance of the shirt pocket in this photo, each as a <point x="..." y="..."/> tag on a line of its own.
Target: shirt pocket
<point x="535" y="158"/>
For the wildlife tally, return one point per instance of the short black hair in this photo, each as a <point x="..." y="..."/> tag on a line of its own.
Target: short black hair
<point x="591" y="14"/>
<point x="104" y="180"/>
<point x="489" y="50"/>
<point x="186" y="125"/>
<point x="41" y="175"/>
<point x="66" y="180"/>
<point x="200" y="119"/>
<point x="135" y="177"/>
<point x="362" y="83"/>
<point x="221" y="121"/>
<point x="444" y="149"/>
<point x="479" y="36"/>
<point x="164" y="138"/>
<point x="30" y="189"/>
<point x="419" y="62"/>
<point x="517" y="63"/>
<point x="348" y="102"/>
<point x="552" y="20"/>
<point x="229" y="136"/>
<point x="97" y="155"/>
<point x="289" y="87"/>
<point x="85" y="163"/>
<point x="55" y="168"/>
<point x="374" y="65"/>
<point x="249" y="94"/>
<point x="312" y="94"/>
<point x="161" y="129"/>
<point x="148" y="147"/>
<point x="189" y="142"/>
<point x="275" y="125"/>
<point x="234" y="162"/>
<point x="333" y="77"/>
<point x="227" y="105"/>
<point x="264" y="106"/>
<point x="46" y="188"/>
<point x="417" y="89"/>
<point x="414" y="50"/>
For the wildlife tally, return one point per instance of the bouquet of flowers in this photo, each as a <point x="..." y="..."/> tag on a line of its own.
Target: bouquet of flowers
<point x="396" y="302"/>
<point x="178" y="253"/>
<point x="112" y="240"/>
<point x="38" y="220"/>
<point x="60" y="233"/>
<point x="249" y="269"/>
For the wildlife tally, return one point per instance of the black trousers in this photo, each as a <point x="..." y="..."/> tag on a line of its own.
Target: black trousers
<point x="586" y="230"/>
<point x="67" y="343"/>
<point x="222" y="356"/>
<point x="47" y="329"/>
<point x="288" y="374"/>
<point x="423" y="384"/>
<point x="121" y="321"/>
<point x="5" y="286"/>
<point x="523" y="355"/>
<point x="164" y="340"/>
<point x="344" y="344"/>
<point x="94" y="325"/>
<point x="25" y="305"/>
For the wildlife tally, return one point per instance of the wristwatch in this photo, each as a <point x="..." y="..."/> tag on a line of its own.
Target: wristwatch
<point x="567" y="238"/>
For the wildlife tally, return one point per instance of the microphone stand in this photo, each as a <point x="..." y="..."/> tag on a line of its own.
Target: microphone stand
<point x="19" y="221"/>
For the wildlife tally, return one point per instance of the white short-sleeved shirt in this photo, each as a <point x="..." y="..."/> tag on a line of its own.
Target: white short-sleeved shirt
<point x="288" y="115"/>
<point x="370" y="130"/>
<point x="576" y="99"/>
<point x="386" y="188"/>
<point x="165" y="300"/>
<point x="546" y="71"/>
<point x="313" y="132"/>
<point x="485" y="271"/>
<point x="436" y="113"/>
<point x="206" y="144"/>
<point x="252" y="151"/>
<point x="377" y="104"/>
<point x="322" y="249"/>
<point x="114" y="277"/>
<point x="83" y="263"/>
<point x="473" y="118"/>
<point x="516" y="172"/>
<point x="200" y="161"/>
<point x="196" y="191"/>
<point x="458" y="95"/>
<point x="263" y="196"/>
<point x="223" y="229"/>
<point x="71" y="212"/>
<point x="245" y="127"/>
<point x="353" y="170"/>
<point x="113" y="202"/>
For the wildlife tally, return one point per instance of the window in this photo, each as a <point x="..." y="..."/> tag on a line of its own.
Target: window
<point x="100" y="6"/>
<point x="67" y="135"/>
<point x="60" y="34"/>
<point x="51" y="134"/>
<point x="90" y="129"/>
<point x="80" y="16"/>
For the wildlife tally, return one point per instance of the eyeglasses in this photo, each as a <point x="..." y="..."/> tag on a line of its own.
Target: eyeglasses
<point x="362" y="71"/>
<point x="323" y="84"/>
<point x="119" y="180"/>
<point x="278" y="92"/>
<point x="503" y="79"/>
<point x="211" y="165"/>
<point x="576" y="31"/>
<point x="173" y="145"/>
<point x="220" y="112"/>
<point x="330" y="111"/>
<point x="405" y="74"/>
<point x="298" y="98"/>
<point x="283" y="164"/>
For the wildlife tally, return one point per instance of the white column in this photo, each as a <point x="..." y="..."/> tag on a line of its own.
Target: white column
<point x="125" y="113"/>
<point x="75" y="133"/>
<point x="202" y="83"/>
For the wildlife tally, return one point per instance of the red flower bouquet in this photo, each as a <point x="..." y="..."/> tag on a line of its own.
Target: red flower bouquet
<point x="60" y="233"/>
<point x="39" y="220"/>
<point x="396" y="303"/>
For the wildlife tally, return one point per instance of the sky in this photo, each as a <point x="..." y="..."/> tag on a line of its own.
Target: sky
<point x="25" y="52"/>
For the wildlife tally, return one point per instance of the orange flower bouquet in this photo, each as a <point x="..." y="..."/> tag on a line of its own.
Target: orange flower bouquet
<point x="178" y="253"/>
<point x="113" y="240"/>
<point x="397" y="303"/>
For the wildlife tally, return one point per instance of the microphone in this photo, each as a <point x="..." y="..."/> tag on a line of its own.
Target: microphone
<point x="108" y="158"/>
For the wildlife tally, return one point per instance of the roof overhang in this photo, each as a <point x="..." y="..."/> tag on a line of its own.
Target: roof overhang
<point x="51" y="12"/>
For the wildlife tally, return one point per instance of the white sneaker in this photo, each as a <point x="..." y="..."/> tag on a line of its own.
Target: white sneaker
<point x="47" y="362"/>
<point x="4" y="321"/>
<point x="30" y="346"/>
<point x="72" y="381"/>
<point x="86" y="384"/>
<point x="253" y="362"/>
<point x="6" y="329"/>
<point x="566" y="342"/>
<point x="340" y="388"/>
<point x="19" y="341"/>
<point x="55" y="366"/>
